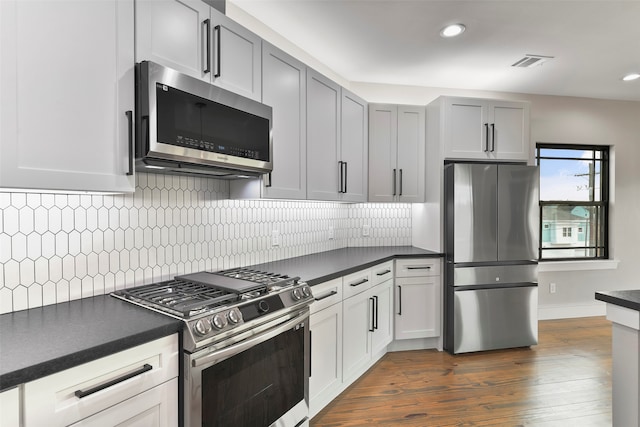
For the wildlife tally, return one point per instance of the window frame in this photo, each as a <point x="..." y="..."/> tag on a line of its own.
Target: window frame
<point x="603" y="203"/>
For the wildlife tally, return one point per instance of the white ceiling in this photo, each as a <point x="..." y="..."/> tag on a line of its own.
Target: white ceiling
<point x="595" y="43"/>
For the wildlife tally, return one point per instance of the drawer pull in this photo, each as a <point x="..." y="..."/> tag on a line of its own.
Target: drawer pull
<point x="330" y="294"/>
<point x="426" y="267"/>
<point x="84" y="393"/>
<point x="359" y="283"/>
<point x="382" y="273"/>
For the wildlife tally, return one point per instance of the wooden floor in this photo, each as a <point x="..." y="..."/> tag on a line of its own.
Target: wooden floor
<point x="563" y="381"/>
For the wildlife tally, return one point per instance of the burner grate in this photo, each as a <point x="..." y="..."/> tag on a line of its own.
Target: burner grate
<point x="180" y="297"/>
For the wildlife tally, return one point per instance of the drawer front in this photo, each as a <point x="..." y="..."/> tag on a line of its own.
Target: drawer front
<point x="382" y="273"/>
<point x="355" y="283"/>
<point x="54" y="400"/>
<point x="417" y="267"/>
<point x="326" y="294"/>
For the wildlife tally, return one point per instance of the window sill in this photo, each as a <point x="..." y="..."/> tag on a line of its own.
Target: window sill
<point x="605" y="264"/>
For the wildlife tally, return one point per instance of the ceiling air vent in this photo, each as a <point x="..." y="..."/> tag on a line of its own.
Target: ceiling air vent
<point x="531" y="61"/>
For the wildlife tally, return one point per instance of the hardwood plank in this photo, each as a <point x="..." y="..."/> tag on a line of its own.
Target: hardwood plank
<point x="565" y="380"/>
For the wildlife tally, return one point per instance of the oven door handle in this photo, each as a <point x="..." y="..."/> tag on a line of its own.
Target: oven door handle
<point x="227" y="352"/>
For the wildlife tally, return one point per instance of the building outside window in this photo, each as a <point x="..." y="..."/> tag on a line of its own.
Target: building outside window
<point x="574" y="201"/>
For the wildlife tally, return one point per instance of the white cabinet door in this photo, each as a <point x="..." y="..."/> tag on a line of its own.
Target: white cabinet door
<point x="10" y="408"/>
<point x="284" y="88"/>
<point x="326" y="357"/>
<point x="67" y="81"/>
<point x="511" y="130"/>
<point x="417" y="312"/>
<point x="357" y="326"/>
<point x="396" y="153"/>
<point x="237" y="56"/>
<point x="383" y="316"/>
<point x="175" y="33"/>
<point x="157" y="407"/>
<point x="411" y="154"/>
<point x="354" y="144"/>
<point x="323" y="137"/>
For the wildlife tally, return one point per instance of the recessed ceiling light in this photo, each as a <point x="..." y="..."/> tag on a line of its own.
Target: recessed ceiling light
<point x="452" y="30"/>
<point x="630" y="77"/>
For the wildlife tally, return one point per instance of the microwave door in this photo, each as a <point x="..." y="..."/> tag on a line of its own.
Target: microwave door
<point x="179" y="117"/>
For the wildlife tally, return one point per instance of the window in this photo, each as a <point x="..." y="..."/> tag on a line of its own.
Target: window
<point x="574" y="195"/>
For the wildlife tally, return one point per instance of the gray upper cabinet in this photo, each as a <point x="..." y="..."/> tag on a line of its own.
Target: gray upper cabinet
<point x="67" y="83"/>
<point x="336" y="141"/>
<point x="484" y="129"/>
<point x="202" y="43"/>
<point x="396" y="153"/>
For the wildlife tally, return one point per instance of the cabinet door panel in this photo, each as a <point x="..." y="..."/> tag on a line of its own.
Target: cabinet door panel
<point x="284" y="89"/>
<point x="323" y="133"/>
<point x="383" y="330"/>
<point x="417" y="307"/>
<point x="383" y="131"/>
<point x="411" y="154"/>
<point x="354" y="146"/>
<point x="67" y="79"/>
<point x="172" y="33"/>
<point x="326" y="356"/>
<point x="511" y="139"/>
<point x="356" y="349"/>
<point x="465" y="130"/>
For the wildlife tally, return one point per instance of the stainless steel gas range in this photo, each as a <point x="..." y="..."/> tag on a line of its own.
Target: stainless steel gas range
<point x="246" y="345"/>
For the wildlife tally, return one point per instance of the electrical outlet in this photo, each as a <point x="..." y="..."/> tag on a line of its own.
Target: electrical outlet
<point x="366" y="230"/>
<point x="331" y="233"/>
<point x="552" y="288"/>
<point x="275" y="238"/>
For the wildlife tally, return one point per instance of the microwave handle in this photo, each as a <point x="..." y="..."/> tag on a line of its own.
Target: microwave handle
<point x="129" y="115"/>
<point x="206" y="24"/>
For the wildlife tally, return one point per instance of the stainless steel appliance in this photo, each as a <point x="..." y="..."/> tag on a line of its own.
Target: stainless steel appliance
<point x="491" y="245"/>
<point x="246" y="345"/>
<point x="185" y="125"/>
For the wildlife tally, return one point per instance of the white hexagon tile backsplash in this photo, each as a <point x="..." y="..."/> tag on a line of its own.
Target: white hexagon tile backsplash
<point x="60" y="247"/>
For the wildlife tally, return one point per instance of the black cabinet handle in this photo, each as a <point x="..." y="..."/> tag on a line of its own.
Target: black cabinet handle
<point x="341" y="175"/>
<point x="426" y="267"/>
<point x="493" y="137"/>
<point x="382" y="273"/>
<point x="372" y="329"/>
<point x="400" y="183"/>
<point x="129" y="114"/>
<point x="486" y="137"/>
<point x="375" y="322"/>
<point x="218" y="54"/>
<point x="394" y="182"/>
<point x="399" y="300"/>
<point x="206" y="24"/>
<point x="330" y="294"/>
<point x="359" y="283"/>
<point x="345" y="176"/>
<point x="83" y="393"/>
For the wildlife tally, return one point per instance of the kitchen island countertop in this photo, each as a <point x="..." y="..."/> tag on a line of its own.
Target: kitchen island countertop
<point x="629" y="299"/>
<point x="41" y="341"/>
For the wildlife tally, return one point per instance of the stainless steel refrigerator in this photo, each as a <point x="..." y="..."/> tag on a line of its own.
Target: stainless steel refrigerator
<point x="491" y="244"/>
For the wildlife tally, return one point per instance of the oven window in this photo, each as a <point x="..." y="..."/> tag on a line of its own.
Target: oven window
<point x="257" y="386"/>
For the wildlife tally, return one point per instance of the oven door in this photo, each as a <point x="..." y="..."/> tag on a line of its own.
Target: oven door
<point x="258" y="382"/>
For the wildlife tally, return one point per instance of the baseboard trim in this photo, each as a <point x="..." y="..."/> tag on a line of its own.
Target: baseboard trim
<point x="550" y="312"/>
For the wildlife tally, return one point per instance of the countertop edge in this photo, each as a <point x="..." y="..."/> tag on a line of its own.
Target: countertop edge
<point x="620" y="298"/>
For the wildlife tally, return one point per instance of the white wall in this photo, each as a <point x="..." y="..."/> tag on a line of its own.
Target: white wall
<point x="574" y="121"/>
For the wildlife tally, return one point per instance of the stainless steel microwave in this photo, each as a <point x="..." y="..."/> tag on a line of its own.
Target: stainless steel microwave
<point x="188" y="126"/>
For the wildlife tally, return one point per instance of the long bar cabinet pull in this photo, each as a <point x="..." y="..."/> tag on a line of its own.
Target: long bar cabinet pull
<point x="400" y="183"/>
<point x="84" y="393"/>
<point x="486" y="137"/>
<point x="206" y="25"/>
<point x="371" y="328"/>
<point x="382" y="273"/>
<point x="375" y="322"/>
<point x="345" y="176"/>
<point x="425" y="267"/>
<point x="129" y="115"/>
<point x="359" y="283"/>
<point x="341" y="174"/>
<point x="399" y="300"/>
<point x="218" y="32"/>
<point x="330" y="294"/>
<point x="394" y="182"/>
<point x="493" y="137"/>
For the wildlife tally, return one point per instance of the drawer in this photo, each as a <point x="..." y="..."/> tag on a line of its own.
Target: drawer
<point x="355" y="283"/>
<point x="415" y="267"/>
<point x="326" y="294"/>
<point x="53" y="400"/>
<point x="382" y="273"/>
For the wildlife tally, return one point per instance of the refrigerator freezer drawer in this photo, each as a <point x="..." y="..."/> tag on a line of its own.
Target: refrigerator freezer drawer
<point x="490" y="319"/>
<point x="495" y="275"/>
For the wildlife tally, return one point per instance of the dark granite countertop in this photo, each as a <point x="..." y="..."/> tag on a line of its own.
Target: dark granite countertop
<point x="629" y="299"/>
<point x="321" y="267"/>
<point x="41" y="341"/>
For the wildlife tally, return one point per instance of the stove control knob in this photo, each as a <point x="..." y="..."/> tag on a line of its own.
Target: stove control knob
<point x="233" y="317"/>
<point x="306" y="292"/>
<point x="219" y="321"/>
<point x="297" y="294"/>
<point x="263" y="306"/>
<point x="202" y="327"/>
